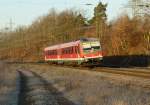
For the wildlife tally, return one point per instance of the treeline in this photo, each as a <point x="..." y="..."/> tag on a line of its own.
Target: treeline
<point x="129" y="36"/>
<point x="27" y="43"/>
<point x="123" y="36"/>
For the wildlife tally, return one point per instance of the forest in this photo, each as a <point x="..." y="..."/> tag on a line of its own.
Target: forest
<point x="123" y="36"/>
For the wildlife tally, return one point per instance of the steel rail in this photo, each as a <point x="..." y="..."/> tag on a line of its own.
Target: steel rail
<point x="137" y="73"/>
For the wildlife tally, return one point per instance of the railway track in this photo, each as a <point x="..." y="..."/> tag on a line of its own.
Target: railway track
<point x="124" y="71"/>
<point x="143" y="72"/>
<point x="140" y="73"/>
<point x="136" y="72"/>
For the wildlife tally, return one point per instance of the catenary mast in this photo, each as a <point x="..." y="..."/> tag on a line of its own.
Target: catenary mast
<point x="140" y="7"/>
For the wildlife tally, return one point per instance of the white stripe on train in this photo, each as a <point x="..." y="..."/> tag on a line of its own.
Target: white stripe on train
<point x="72" y="59"/>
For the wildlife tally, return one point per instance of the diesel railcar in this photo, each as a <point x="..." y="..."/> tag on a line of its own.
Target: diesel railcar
<point x="85" y="50"/>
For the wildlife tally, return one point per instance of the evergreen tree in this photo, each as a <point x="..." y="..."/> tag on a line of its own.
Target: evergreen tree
<point x="80" y="20"/>
<point x="99" y="19"/>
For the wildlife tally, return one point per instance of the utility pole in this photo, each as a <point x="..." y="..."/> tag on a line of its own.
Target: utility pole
<point x="139" y="7"/>
<point x="11" y="25"/>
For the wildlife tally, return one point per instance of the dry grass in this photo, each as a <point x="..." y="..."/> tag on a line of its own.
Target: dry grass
<point x="92" y="88"/>
<point x="9" y="85"/>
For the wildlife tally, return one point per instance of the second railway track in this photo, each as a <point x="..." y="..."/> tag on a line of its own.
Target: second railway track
<point x="136" y="72"/>
<point x="142" y="72"/>
<point x="128" y="72"/>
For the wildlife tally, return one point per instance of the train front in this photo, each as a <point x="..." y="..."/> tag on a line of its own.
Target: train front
<point x="91" y="50"/>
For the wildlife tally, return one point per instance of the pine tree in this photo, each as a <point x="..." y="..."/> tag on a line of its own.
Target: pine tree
<point x="99" y="19"/>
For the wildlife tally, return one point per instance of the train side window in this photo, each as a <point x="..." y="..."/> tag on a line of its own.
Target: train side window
<point x="76" y="50"/>
<point x="62" y="51"/>
<point x="71" y="50"/>
<point x="55" y="52"/>
<point x="49" y="52"/>
<point x="68" y="50"/>
<point x="52" y="52"/>
<point x="65" y="51"/>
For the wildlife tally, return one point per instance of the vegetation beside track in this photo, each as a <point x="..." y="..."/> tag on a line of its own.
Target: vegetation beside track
<point x="9" y="85"/>
<point x="71" y="85"/>
<point x="91" y="88"/>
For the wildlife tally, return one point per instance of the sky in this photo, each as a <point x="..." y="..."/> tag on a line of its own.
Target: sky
<point x="24" y="12"/>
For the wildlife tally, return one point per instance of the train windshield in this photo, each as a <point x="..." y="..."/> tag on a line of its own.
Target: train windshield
<point x="95" y="45"/>
<point x="91" y="46"/>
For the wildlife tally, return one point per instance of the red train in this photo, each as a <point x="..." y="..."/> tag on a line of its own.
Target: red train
<point x="85" y="50"/>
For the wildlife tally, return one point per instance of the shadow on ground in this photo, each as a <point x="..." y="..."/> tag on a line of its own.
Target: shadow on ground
<point x="40" y="84"/>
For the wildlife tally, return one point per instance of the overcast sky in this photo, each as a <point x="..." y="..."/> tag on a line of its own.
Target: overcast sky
<point x="23" y="12"/>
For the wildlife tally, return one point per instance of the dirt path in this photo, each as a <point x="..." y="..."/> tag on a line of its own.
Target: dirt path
<point x="35" y="90"/>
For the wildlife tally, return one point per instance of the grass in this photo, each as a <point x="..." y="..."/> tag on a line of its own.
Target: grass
<point x="92" y="88"/>
<point x="9" y="85"/>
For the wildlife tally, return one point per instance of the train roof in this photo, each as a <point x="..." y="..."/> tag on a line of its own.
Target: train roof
<point x="88" y="39"/>
<point x="70" y="44"/>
